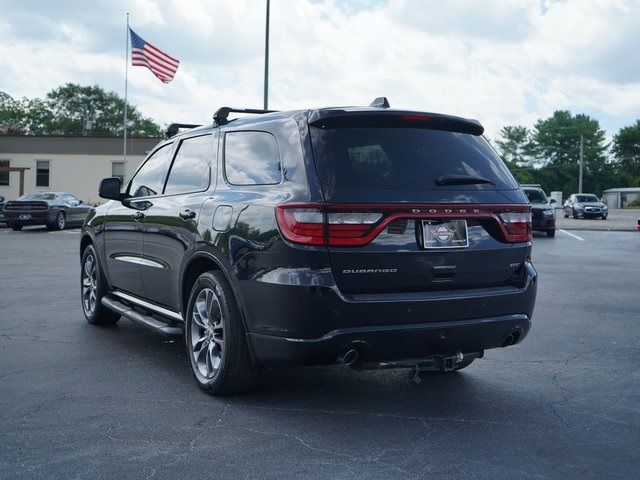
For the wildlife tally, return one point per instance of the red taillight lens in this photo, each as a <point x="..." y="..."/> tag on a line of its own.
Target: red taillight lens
<point x="301" y="225"/>
<point x="310" y="224"/>
<point x="357" y="225"/>
<point x="517" y="226"/>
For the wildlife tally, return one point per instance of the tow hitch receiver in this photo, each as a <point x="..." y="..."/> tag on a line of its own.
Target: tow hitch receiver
<point x="448" y="363"/>
<point x="443" y="363"/>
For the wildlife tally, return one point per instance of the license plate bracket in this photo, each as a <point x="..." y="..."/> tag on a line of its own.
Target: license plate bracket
<point x="438" y="234"/>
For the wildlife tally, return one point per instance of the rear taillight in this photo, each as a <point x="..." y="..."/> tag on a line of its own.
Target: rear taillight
<point x="312" y="225"/>
<point x="517" y="226"/>
<point x="357" y="225"/>
<point x="301" y="225"/>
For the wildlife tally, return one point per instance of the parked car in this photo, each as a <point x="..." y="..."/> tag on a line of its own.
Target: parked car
<point x="2" y="202"/>
<point x="362" y="235"/>
<point x="542" y="211"/>
<point x="56" y="210"/>
<point x="638" y="226"/>
<point x="585" y="205"/>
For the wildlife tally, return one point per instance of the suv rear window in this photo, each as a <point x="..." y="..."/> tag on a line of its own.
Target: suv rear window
<point x="405" y="158"/>
<point x="535" y="195"/>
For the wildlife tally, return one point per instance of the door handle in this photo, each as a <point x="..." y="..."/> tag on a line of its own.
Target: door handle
<point x="137" y="215"/>
<point x="187" y="214"/>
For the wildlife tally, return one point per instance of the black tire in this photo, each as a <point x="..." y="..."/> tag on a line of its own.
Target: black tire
<point x="235" y="372"/>
<point x="604" y="217"/>
<point x="566" y="215"/>
<point x="575" y="214"/>
<point x="99" y="314"/>
<point x="60" y="219"/>
<point x="551" y="233"/>
<point x="16" y="228"/>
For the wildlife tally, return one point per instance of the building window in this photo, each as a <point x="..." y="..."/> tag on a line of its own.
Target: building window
<point x="42" y="173"/>
<point x="117" y="170"/>
<point x="4" y="176"/>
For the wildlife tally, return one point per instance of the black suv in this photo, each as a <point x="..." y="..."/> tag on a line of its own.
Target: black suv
<point x="543" y="212"/>
<point x="363" y="235"/>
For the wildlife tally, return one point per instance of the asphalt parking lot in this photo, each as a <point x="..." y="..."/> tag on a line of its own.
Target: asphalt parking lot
<point x="78" y="401"/>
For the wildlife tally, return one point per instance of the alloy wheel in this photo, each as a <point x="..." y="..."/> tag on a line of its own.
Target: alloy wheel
<point x="89" y="285"/>
<point x="61" y="221"/>
<point x="207" y="333"/>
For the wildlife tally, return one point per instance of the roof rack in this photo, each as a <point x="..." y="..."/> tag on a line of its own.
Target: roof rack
<point x="222" y="114"/>
<point x="174" y="128"/>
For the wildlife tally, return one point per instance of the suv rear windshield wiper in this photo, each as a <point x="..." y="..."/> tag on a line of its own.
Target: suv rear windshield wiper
<point x="461" y="180"/>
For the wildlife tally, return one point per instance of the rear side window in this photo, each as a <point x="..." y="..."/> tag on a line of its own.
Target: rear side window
<point x="405" y="158"/>
<point x="251" y="158"/>
<point x="190" y="168"/>
<point x="149" y="180"/>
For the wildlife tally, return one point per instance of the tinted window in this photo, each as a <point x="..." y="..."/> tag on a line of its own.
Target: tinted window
<point x="251" y="158"/>
<point x="190" y="169"/>
<point x="39" y="196"/>
<point x="4" y="176"/>
<point x="42" y="173"/>
<point x="70" y="198"/>
<point x="150" y="178"/>
<point x="536" y="196"/>
<point x="586" y="198"/>
<point x="405" y="158"/>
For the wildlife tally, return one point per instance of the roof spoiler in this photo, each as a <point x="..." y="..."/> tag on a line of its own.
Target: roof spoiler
<point x="174" y="128"/>
<point x="221" y="116"/>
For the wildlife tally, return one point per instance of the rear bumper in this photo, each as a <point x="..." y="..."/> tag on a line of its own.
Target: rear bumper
<point x="310" y="323"/>
<point x="544" y="223"/>
<point x="391" y="341"/>
<point x="37" y="217"/>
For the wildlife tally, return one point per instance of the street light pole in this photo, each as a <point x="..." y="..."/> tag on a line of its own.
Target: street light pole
<point x="581" y="163"/>
<point x="266" y="62"/>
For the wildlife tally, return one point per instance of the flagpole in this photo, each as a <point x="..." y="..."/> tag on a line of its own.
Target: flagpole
<point x="266" y="62"/>
<point x="126" y="81"/>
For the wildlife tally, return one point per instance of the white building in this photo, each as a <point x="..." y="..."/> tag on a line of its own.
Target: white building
<point x="620" y="197"/>
<point x="67" y="164"/>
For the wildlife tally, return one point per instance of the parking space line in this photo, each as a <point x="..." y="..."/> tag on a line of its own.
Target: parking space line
<point x="572" y="235"/>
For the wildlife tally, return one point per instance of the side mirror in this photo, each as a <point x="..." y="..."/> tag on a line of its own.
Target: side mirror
<point x="110" y="188"/>
<point x="80" y="202"/>
<point x="553" y="200"/>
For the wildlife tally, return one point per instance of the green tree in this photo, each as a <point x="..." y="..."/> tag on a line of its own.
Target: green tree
<point x="556" y="145"/>
<point x="12" y="113"/>
<point x="556" y="140"/>
<point x="67" y="110"/>
<point x="626" y="150"/>
<point x="514" y="145"/>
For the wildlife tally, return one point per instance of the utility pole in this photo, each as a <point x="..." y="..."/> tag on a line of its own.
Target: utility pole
<point x="266" y="62"/>
<point x="581" y="163"/>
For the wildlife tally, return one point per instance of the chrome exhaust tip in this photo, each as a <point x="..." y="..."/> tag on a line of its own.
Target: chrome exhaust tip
<point x="351" y="357"/>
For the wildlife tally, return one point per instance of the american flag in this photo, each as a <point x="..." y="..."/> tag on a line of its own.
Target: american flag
<point x="143" y="54"/>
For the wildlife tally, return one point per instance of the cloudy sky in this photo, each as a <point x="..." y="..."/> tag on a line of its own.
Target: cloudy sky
<point x="500" y="61"/>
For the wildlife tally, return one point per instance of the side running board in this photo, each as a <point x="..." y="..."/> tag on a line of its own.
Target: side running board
<point x="145" y="320"/>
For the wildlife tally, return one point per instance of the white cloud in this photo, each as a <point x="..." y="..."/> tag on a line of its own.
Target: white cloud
<point x="502" y="62"/>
